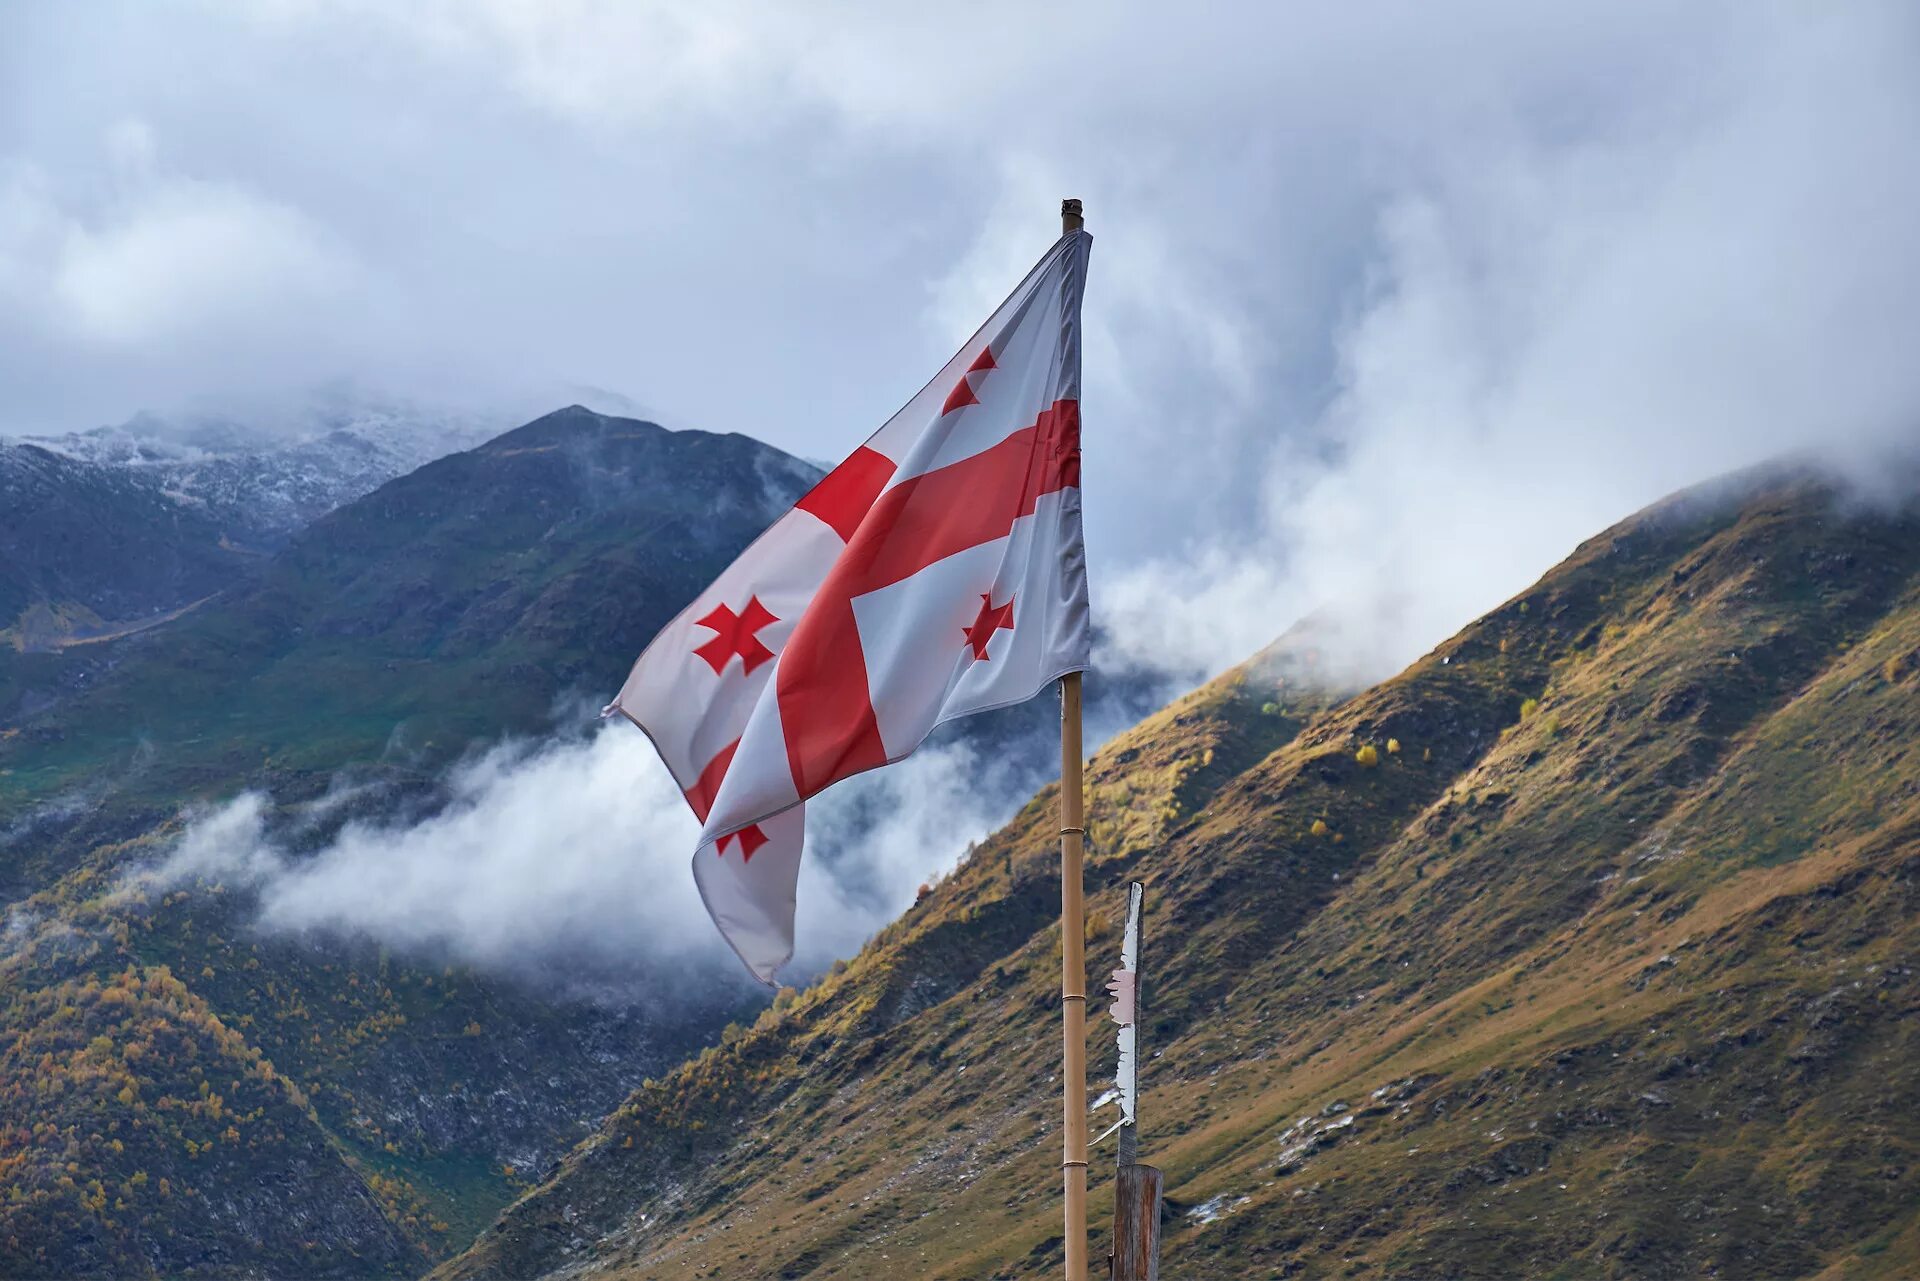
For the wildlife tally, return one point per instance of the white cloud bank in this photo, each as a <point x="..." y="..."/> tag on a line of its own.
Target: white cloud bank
<point x="1554" y="333"/>
<point x="577" y="849"/>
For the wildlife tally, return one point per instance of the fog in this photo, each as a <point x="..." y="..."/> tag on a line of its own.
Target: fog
<point x="549" y="855"/>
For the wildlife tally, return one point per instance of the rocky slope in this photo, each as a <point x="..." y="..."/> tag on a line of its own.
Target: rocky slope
<point x="265" y="480"/>
<point x="1586" y="947"/>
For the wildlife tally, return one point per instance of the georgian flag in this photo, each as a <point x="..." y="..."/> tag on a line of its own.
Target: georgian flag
<point x="938" y="571"/>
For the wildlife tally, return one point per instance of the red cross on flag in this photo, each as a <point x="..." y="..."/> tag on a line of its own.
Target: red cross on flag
<point x="938" y="571"/>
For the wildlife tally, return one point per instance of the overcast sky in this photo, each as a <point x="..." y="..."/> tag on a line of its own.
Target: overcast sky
<point x="1390" y="304"/>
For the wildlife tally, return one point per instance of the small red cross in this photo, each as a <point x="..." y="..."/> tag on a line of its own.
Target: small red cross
<point x="992" y="618"/>
<point x="751" y="838"/>
<point x="734" y="634"/>
<point x="963" y="394"/>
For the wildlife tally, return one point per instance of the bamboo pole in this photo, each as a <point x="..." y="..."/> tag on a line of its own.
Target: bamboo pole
<point x="1073" y="982"/>
<point x="1073" y="961"/>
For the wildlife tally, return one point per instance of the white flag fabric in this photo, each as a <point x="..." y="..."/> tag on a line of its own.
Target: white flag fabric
<point x="938" y="571"/>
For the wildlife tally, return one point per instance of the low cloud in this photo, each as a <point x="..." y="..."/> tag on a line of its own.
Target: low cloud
<point x="53" y="812"/>
<point x="875" y="840"/>
<point x="575" y="850"/>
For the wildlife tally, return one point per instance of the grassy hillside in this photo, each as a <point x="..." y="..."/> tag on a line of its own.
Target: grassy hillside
<point x="180" y="1091"/>
<point x="1583" y="948"/>
<point x="88" y="553"/>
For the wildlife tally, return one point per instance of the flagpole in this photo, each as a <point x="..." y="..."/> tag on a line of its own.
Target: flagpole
<point x="1073" y="962"/>
<point x="1073" y="981"/>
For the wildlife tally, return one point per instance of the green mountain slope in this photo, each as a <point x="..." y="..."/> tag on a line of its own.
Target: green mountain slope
<point x="460" y="599"/>
<point x="88" y="553"/>
<point x="298" y="1106"/>
<point x="451" y="606"/>
<point x="91" y="547"/>
<point x="1599" y="964"/>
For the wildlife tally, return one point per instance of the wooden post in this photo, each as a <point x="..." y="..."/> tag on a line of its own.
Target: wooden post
<point x="1136" y="1188"/>
<point x="1136" y="1224"/>
<point x="1073" y="982"/>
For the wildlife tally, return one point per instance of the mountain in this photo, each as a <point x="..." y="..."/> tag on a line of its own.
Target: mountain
<point x="266" y="476"/>
<point x="458" y="601"/>
<point x="184" y="1092"/>
<point x="93" y="551"/>
<point x="119" y="529"/>
<point x="1585" y="947"/>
